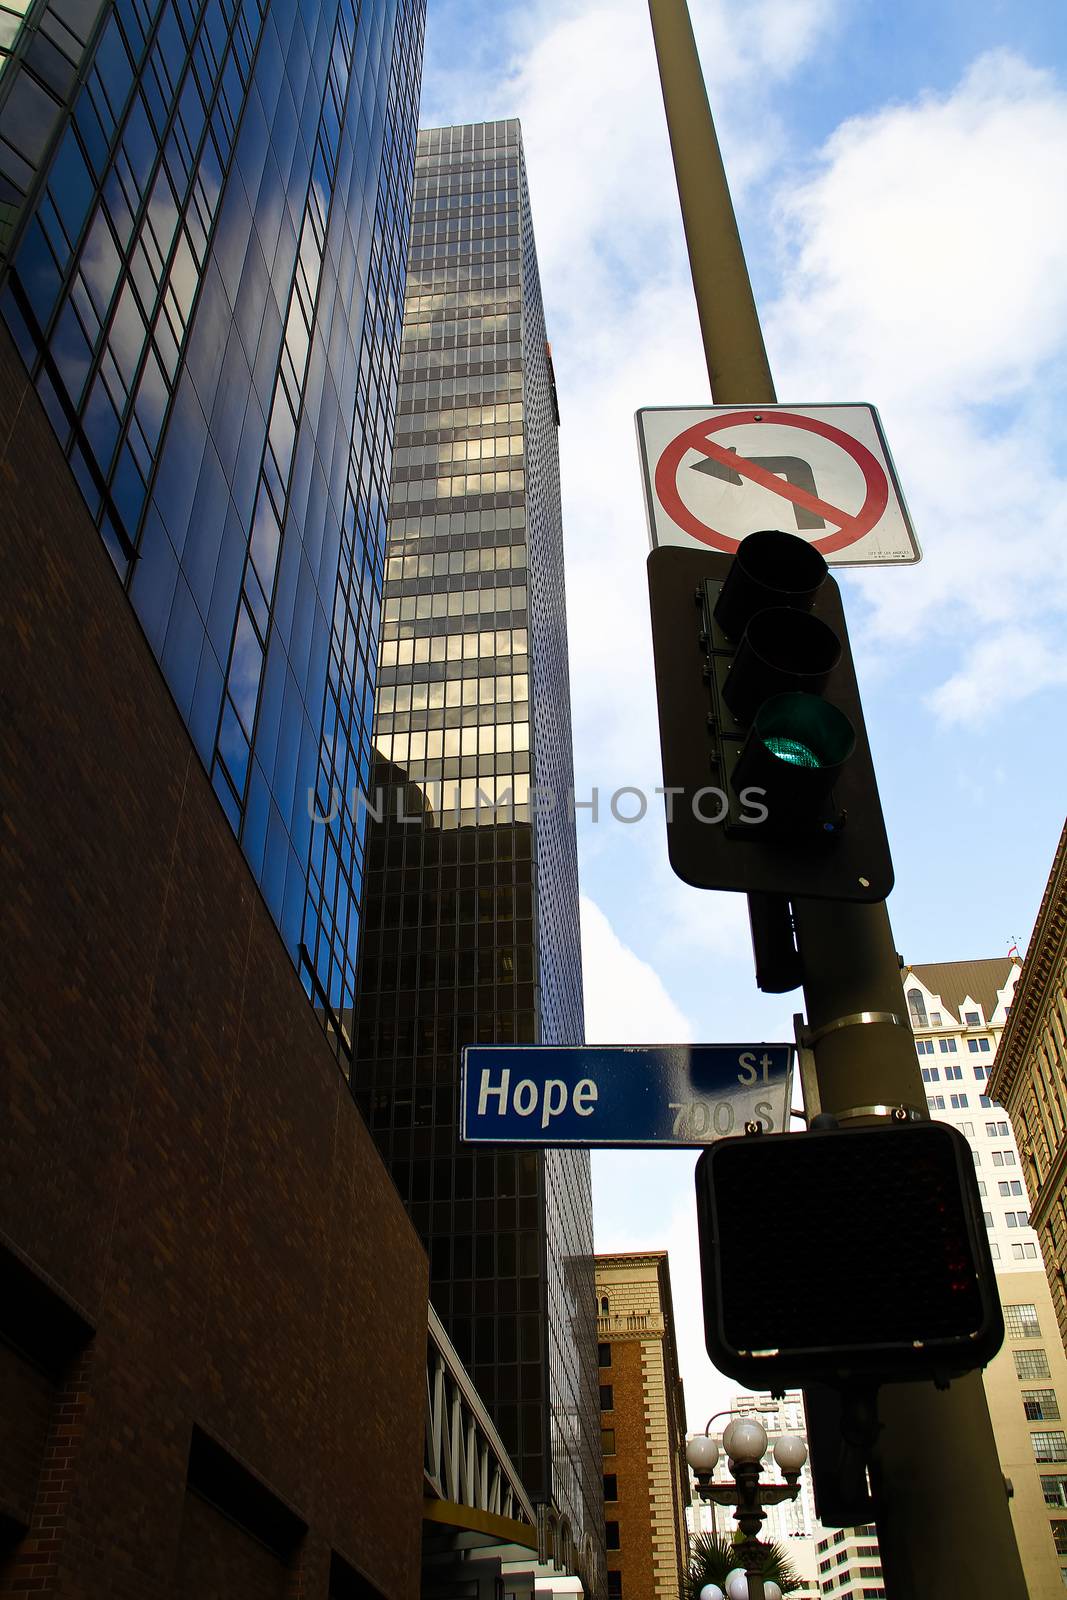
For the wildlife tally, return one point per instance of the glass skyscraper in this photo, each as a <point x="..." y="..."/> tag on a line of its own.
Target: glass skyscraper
<point x="204" y="219"/>
<point x="471" y="915"/>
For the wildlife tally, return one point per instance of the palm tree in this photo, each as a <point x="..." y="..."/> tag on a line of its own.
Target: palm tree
<point x="715" y="1554"/>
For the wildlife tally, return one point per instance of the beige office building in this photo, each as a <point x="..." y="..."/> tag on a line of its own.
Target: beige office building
<point x="850" y="1563"/>
<point x="1031" y="1078"/>
<point x="958" y="1011"/>
<point x="646" y="1478"/>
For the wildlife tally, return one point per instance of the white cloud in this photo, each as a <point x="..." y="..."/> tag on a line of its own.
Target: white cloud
<point x="922" y="268"/>
<point x="925" y="251"/>
<point x="626" y="1001"/>
<point x="1009" y="666"/>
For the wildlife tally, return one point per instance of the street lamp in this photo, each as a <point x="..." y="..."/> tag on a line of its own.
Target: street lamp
<point x="745" y="1442"/>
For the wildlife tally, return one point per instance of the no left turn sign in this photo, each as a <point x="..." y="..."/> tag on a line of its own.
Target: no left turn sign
<point x="714" y="474"/>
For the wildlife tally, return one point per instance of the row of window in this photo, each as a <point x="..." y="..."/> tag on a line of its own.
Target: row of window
<point x="470" y="416"/>
<point x="456" y="562"/>
<point x="952" y="1071"/>
<point x="1012" y="1219"/>
<point x="917" y="1008"/>
<point x="502" y="688"/>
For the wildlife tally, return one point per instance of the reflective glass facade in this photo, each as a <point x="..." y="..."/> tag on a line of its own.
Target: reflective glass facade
<point x="207" y="286"/>
<point x="471" y="915"/>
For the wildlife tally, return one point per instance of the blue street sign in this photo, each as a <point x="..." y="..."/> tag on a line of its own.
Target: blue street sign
<point x="616" y="1094"/>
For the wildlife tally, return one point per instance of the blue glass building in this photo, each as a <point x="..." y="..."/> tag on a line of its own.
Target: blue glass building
<point x="204" y="215"/>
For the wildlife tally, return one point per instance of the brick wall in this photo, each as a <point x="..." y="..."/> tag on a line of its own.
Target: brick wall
<point x="179" y="1156"/>
<point x="631" y="1466"/>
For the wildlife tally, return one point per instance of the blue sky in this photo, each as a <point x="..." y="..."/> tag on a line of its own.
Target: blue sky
<point x="898" y="177"/>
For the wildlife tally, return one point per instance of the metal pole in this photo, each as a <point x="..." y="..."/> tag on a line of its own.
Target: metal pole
<point x="944" y="1526"/>
<point x="733" y="340"/>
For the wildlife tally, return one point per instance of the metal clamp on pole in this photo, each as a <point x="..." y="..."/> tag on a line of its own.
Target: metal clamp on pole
<point x="900" y="1113"/>
<point x="807" y="1038"/>
<point x="858" y="1019"/>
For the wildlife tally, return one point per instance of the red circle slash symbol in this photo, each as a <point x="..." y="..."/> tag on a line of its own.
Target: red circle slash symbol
<point x="850" y="526"/>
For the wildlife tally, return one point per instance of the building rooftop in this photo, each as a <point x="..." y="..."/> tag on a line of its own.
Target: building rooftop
<point x="956" y="981"/>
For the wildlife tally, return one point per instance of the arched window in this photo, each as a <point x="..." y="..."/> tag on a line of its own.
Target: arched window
<point x="603" y="1305"/>
<point x="917" y="1008"/>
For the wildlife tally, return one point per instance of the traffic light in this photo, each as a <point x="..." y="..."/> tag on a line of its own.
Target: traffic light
<point x="768" y="775"/>
<point x="845" y="1256"/>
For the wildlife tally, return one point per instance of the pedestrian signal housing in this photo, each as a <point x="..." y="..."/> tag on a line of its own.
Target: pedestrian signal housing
<point x="889" y="1279"/>
<point x="767" y="771"/>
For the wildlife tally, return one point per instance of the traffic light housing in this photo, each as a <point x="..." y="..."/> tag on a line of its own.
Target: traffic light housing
<point x="768" y="775"/>
<point x="845" y="1256"/>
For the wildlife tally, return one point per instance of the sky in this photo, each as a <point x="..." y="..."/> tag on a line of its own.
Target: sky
<point x="897" y="174"/>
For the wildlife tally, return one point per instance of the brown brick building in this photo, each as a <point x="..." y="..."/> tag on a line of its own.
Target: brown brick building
<point x="212" y="1305"/>
<point x="646" y="1480"/>
<point x="1030" y="1078"/>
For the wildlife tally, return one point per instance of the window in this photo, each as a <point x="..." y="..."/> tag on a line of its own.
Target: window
<point x="614" y="1586"/>
<point x="1050" y="1446"/>
<point x="948" y="1047"/>
<point x="1030" y="1363"/>
<point x="972" y="1019"/>
<point x="917" y="1008"/>
<point x="1054" y="1487"/>
<point x="983" y="1046"/>
<point x="931" y="1074"/>
<point x="987" y="1218"/>
<point x="958" y="1102"/>
<point x="607" y="1441"/>
<point x="924" y="1047"/>
<point x="1021" y="1322"/>
<point x="981" y="1073"/>
<point x="611" y="1482"/>
<point x="935" y="1019"/>
<point x="953" y="1071"/>
<point x="1024" y="1252"/>
<point x="994" y="1250"/>
<point x="607" y="1398"/>
<point x="936" y="1102"/>
<point x="603" y="1355"/>
<point x="981" y="1188"/>
<point x="603" y="1305"/>
<point x="1041" y="1405"/>
<point x="1009" y="1186"/>
<point x="1059" y="1533"/>
<point x="1017" y="1219"/>
<point x="968" y="1129"/>
<point x="611" y="1534"/>
<point x="997" y="1130"/>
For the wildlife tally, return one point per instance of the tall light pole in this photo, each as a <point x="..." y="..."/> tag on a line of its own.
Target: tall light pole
<point x="941" y="1531"/>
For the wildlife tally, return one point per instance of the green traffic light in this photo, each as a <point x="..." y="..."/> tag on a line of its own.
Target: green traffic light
<point x="793" y="751"/>
<point x="805" y="731"/>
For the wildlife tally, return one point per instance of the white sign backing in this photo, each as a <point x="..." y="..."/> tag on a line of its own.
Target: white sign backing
<point x="713" y="474"/>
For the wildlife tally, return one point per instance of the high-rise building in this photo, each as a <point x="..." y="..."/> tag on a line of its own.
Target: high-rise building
<point x="1030" y="1078"/>
<point x="792" y="1524"/>
<point x="646" y="1478"/>
<point x="850" y="1563"/>
<point x="471" y="924"/>
<point x="958" y="1011"/>
<point x="203" y="228"/>
<point x="203" y="268"/>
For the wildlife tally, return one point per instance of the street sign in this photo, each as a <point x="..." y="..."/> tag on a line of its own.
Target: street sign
<point x="713" y="474"/>
<point x="622" y="1095"/>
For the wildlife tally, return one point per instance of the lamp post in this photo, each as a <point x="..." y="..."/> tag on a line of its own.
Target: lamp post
<point x="745" y="1442"/>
